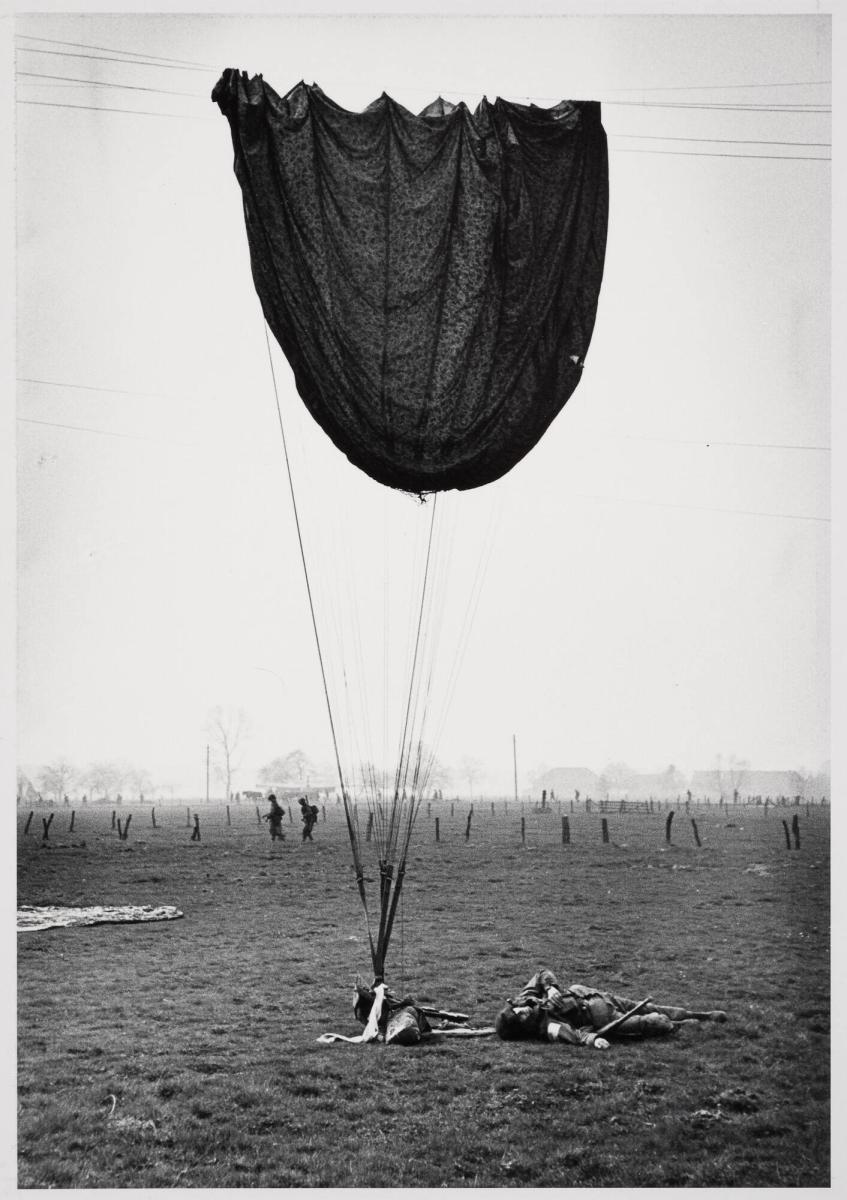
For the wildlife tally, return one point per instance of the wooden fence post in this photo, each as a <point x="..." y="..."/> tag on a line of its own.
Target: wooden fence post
<point x="696" y="834"/>
<point x="523" y="830"/>
<point x="195" y="833"/>
<point x="787" y="835"/>
<point x="258" y="815"/>
<point x="451" y="808"/>
<point x="795" y="829"/>
<point x="566" y="832"/>
<point x="126" y="827"/>
<point x="114" y="814"/>
<point x="71" y="826"/>
<point x="153" y="816"/>
<point x="46" y="822"/>
<point x="120" y="832"/>
<point x="29" y="820"/>
<point x="187" y="817"/>
<point x="370" y="827"/>
<point x="668" y="826"/>
<point x="468" y="826"/>
<point x="323" y="811"/>
<point x="228" y="817"/>
<point x="437" y="838"/>
<point x="604" y="825"/>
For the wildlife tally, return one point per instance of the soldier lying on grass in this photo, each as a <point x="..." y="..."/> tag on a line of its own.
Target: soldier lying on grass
<point x="401" y="1020"/>
<point x="585" y="1016"/>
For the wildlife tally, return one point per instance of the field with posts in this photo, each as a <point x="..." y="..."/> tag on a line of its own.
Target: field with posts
<point x="184" y="1054"/>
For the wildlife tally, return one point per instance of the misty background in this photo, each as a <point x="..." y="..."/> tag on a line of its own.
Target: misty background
<point x="649" y="587"/>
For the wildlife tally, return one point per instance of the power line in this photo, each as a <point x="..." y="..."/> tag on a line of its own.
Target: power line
<point x="111" y="50"/>
<point x="723" y="87"/>
<point x="165" y="66"/>
<point x="135" y="437"/>
<point x="723" y="154"/>
<point x="137" y="112"/>
<point x="87" y="387"/>
<point x="661" y="137"/>
<point x="103" y="83"/>
<point x="133" y="112"/>
<point x="708" y="442"/>
<point x="635" y="136"/>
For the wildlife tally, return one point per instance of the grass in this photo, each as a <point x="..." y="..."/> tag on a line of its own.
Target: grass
<point x="204" y="1029"/>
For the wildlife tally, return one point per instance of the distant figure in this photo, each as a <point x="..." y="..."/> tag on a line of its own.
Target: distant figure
<point x="309" y="817"/>
<point x="195" y="832"/>
<point x="274" y="819"/>
<point x="581" y="1015"/>
<point x="67" y="801"/>
<point x="85" y="797"/>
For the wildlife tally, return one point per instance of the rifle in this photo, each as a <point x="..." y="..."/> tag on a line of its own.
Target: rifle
<point x="612" y="1026"/>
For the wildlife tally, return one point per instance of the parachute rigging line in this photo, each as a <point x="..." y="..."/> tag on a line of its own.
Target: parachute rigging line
<point x="353" y="841"/>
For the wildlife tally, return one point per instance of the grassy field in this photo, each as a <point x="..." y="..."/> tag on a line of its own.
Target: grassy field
<point x="204" y="1029"/>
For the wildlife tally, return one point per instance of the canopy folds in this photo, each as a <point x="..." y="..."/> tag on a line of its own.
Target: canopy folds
<point x="432" y="279"/>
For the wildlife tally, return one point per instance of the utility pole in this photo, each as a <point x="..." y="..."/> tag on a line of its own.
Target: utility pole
<point x="207" y="772"/>
<point x="515" y="760"/>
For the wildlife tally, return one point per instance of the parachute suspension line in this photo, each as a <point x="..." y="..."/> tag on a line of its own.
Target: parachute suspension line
<point x="401" y="823"/>
<point x="413" y="672"/>
<point x="353" y="833"/>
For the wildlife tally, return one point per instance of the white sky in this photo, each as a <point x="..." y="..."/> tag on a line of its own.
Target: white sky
<point x="658" y="583"/>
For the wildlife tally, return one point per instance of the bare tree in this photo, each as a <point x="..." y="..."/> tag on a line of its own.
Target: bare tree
<point x="292" y="768"/>
<point x="471" y="769"/>
<point x="57" y="777"/>
<point x="227" y="729"/>
<point x="141" y="782"/>
<point x="105" y="778"/>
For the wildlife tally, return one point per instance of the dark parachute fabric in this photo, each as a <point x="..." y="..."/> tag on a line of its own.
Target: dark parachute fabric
<point x="432" y="279"/>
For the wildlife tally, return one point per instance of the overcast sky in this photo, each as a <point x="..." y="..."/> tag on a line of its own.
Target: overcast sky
<point x="651" y="584"/>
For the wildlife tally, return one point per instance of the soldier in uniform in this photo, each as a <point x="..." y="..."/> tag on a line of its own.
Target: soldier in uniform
<point x="579" y="1015"/>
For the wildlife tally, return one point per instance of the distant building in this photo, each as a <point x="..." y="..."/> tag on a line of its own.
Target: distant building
<point x="714" y="784"/>
<point x="565" y="781"/>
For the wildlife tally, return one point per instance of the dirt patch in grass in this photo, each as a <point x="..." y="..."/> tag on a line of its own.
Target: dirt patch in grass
<point x="184" y="1054"/>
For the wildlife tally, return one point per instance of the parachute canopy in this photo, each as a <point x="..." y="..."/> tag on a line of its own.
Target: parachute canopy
<point x="432" y="279"/>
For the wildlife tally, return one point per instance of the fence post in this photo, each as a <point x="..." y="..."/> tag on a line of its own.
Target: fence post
<point x="120" y="831"/>
<point x="668" y="826"/>
<point x="71" y="826"/>
<point x="258" y="815"/>
<point x="566" y="832"/>
<point x="437" y="837"/>
<point x="370" y="827"/>
<point x="153" y="816"/>
<point x="696" y="834"/>
<point x="228" y="817"/>
<point x="195" y="833"/>
<point x="795" y="829"/>
<point x="323" y="811"/>
<point x="523" y="830"/>
<point x="29" y="820"/>
<point x="114" y="814"/>
<point x="468" y="826"/>
<point x="787" y="835"/>
<point x="46" y="822"/>
<point x="604" y="825"/>
<point x="187" y="817"/>
<point x="126" y="827"/>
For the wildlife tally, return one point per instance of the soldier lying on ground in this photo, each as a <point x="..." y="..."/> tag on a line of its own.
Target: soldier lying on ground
<point x="586" y="1016"/>
<point x="401" y="1020"/>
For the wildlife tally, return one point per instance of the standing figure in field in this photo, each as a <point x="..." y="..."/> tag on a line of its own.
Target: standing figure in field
<point x="309" y="817"/>
<point x="585" y="1016"/>
<point x="274" y="819"/>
